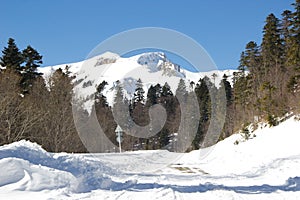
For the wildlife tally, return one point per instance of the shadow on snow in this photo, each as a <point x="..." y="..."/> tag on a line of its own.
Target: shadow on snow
<point x="90" y="174"/>
<point x="292" y="184"/>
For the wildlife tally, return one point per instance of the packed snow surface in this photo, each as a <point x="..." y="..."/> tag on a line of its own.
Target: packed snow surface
<point x="265" y="167"/>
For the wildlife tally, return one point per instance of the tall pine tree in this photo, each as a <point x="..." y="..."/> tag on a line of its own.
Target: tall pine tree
<point x="12" y="57"/>
<point x="272" y="51"/>
<point x="32" y="60"/>
<point x="293" y="53"/>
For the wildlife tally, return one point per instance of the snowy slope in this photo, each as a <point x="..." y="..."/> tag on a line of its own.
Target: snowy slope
<point x="265" y="167"/>
<point x="152" y="68"/>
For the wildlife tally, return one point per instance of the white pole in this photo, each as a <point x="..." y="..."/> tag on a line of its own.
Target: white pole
<point x="119" y="140"/>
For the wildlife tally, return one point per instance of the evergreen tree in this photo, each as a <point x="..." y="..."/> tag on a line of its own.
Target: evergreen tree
<point x="164" y="138"/>
<point x="244" y="97"/>
<point x="104" y="113"/>
<point x="32" y="61"/>
<point x="12" y="57"/>
<point x="166" y="90"/>
<point x="152" y="97"/>
<point x="228" y="89"/>
<point x="247" y="84"/>
<point x="229" y="121"/>
<point x="139" y="112"/>
<point x="192" y="85"/>
<point x="166" y="99"/>
<point x="250" y="58"/>
<point x="243" y="63"/>
<point x="285" y="29"/>
<point x="181" y="91"/>
<point x="181" y="118"/>
<point x="203" y="96"/>
<point x="187" y="113"/>
<point x="271" y="90"/>
<point x="139" y="93"/>
<point x="214" y="76"/>
<point x="293" y="52"/>
<point x="121" y="115"/>
<point x="271" y="47"/>
<point x="169" y="102"/>
<point x="99" y="97"/>
<point x="120" y="107"/>
<point x="295" y="29"/>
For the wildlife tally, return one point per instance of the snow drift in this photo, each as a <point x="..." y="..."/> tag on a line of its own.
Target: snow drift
<point x="265" y="167"/>
<point x="29" y="167"/>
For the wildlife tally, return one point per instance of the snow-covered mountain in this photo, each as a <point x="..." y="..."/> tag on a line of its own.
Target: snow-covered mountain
<point x="151" y="68"/>
<point x="265" y="167"/>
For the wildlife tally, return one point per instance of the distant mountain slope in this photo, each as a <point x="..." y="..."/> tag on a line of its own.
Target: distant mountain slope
<point x="151" y="68"/>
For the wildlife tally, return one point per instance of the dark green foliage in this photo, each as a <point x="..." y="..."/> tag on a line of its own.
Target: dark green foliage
<point x="12" y="58"/>
<point x="139" y="113"/>
<point x="181" y="91"/>
<point x="169" y="102"/>
<point x="272" y="121"/>
<point x="32" y="60"/>
<point x="293" y="50"/>
<point x="203" y="95"/>
<point x="139" y="92"/>
<point x="246" y="133"/>
<point x="25" y="63"/>
<point x="266" y="85"/>
<point x="154" y="93"/>
<point x="228" y="128"/>
<point x="166" y="90"/>
<point x="100" y="99"/>
<point x="121" y="108"/>
<point x="293" y="84"/>
<point x="228" y="90"/>
<point x="202" y="92"/>
<point x="163" y="138"/>
<point x="250" y="58"/>
<point x="285" y="29"/>
<point x="269" y="73"/>
<point x="271" y="47"/>
<point x="104" y="113"/>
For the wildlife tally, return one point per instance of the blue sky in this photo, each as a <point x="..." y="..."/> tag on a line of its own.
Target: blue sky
<point x="67" y="30"/>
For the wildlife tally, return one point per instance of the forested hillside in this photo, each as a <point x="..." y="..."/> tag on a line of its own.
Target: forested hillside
<point x="267" y="84"/>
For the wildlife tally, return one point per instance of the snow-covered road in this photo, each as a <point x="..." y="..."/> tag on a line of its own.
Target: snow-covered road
<point x="265" y="167"/>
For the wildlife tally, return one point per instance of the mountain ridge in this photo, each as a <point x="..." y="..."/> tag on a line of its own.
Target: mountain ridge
<point x="150" y="67"/>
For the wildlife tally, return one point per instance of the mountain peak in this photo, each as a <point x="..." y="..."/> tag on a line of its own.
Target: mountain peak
<point x="151" y="58"/>
<point x="151" y="67"/>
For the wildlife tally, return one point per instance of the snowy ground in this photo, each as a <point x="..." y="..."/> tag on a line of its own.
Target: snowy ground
<point x="265" y="167"/>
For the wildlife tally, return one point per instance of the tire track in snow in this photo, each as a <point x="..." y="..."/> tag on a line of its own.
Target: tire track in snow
<point x="119" y="196"/>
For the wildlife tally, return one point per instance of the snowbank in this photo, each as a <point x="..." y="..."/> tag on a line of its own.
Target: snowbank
<point x="29" y="167"/>
<point x="274" y="154"/>
<point x="265" y="167"/>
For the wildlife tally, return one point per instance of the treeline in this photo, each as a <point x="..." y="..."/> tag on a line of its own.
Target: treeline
<point x="33" y="108"/>
<point x="265" y="87"/>
<point x="39" y="108"/>
<point x="184" y="129"/>
<point x="267" y="84"/>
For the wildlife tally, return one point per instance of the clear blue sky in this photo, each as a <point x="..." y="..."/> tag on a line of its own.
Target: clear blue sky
<point x="67" y="30"/>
